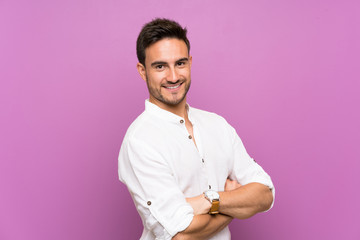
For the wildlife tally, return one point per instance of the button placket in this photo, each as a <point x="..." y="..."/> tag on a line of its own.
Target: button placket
<point x="204" y="182"/>
<point x="204" y="178"/>
<point x="182" y="121"/>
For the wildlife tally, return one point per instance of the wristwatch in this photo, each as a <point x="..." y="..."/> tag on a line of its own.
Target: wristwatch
<point x="214" y="199"/>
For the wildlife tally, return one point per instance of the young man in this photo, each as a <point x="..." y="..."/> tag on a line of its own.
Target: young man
<point x="186" y="169"/>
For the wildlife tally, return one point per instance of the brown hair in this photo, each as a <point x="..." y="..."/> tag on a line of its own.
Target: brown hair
<point x="157" y="30"/>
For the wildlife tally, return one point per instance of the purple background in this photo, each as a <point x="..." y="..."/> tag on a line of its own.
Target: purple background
<point x="284" y="73"/>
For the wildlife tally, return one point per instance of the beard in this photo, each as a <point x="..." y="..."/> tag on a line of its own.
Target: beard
<point x="171" y="101"/>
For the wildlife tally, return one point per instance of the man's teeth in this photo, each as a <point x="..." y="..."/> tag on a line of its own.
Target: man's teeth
<point x="173" y="87"/>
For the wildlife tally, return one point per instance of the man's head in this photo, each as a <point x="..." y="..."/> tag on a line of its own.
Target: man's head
<point x="164" y="62"/>
<point x="157" y="30"/>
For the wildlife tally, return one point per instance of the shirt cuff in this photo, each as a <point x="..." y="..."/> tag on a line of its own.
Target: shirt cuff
<point x="181" y="219"/>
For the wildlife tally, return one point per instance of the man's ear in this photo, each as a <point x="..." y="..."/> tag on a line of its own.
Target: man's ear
<point x="190" y="60"/>
<point x="142" y="71"/>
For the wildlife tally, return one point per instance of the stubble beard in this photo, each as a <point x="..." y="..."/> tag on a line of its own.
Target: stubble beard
<point x="156" y="93"/>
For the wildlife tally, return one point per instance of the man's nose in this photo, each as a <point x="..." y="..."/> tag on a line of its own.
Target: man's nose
<point x="173" y="75"/>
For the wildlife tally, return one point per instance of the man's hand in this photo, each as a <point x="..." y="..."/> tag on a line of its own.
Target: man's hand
<point x="200" y="204"/>
<point x="231" y="185"/>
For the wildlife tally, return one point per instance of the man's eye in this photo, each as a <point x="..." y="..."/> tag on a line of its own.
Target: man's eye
<point x="159" y="66"/>
<point x="181" y="63"/>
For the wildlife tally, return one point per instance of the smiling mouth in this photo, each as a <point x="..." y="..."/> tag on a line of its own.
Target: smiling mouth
<point x="173" y="87"/>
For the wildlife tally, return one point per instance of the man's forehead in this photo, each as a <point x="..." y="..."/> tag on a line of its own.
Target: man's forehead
<point x="168" y="49"/>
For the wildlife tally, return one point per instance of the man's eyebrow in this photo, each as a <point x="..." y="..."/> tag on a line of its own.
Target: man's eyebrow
<point x="185" y="59"/>
<point x="182" y="60"/>
<point x="158" y="63"/>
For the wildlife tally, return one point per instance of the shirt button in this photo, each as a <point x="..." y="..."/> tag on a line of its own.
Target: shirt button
<point x="181" y="121"/>
<point x="190" y="137"/>
<point x="203" y="160"/>
<point x="149" y="203"/>
<point x="209" y="186"/>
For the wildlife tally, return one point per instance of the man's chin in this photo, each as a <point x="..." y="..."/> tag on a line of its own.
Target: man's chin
<point x="173" y="102"/>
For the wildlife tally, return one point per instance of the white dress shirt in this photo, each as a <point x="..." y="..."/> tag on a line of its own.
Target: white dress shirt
<point x="161" y="166"/>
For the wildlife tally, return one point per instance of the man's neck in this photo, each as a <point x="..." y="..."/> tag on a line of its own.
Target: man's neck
<point x="178" y="109"/>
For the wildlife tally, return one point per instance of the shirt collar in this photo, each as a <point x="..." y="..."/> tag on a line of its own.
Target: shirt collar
<point x="166" y="115"/>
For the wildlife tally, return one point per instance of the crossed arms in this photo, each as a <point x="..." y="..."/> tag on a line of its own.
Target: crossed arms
<point x="160" y="200"/>
<point x="235" y="202"/>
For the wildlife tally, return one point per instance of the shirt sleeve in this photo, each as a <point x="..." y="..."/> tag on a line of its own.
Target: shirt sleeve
<point x="245" y="169"/>
<point x="158" y="199"/>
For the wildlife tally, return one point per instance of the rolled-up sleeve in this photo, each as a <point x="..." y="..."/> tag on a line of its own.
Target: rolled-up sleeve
<point x="158" y="199"/>
<point x="245" y="169"/>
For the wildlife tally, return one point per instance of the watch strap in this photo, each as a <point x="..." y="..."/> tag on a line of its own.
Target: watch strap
<point x="214" y="207"/>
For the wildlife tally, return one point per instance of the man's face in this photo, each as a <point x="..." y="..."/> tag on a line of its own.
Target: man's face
<point x="167" y="71"/>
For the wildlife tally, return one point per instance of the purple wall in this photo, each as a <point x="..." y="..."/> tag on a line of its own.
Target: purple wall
<point x="285" y="74"/>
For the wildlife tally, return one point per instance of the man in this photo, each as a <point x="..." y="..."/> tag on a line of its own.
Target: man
<point x="186" y="169"/>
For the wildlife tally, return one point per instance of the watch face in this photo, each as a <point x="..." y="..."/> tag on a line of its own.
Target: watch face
<point x="211" y="195"/>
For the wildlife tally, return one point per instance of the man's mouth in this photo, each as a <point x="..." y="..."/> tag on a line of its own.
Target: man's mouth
<point x="173" y="87"/>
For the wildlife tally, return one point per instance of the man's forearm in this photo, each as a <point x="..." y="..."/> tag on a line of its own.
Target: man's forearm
<point x="245" y="201"/>
<point x="204" y="226"/>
